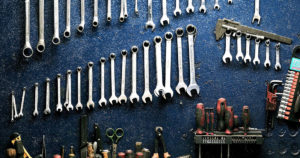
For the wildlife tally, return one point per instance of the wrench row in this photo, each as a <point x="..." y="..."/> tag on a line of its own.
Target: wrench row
<point x="227" y="57"/>
<point x="161" y="89"/>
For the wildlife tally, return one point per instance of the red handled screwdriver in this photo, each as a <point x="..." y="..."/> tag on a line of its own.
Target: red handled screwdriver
<point x="229" y="119"/>
<point x="246" y="118"/>
<point x="221" y="106"/>
<point x="236" y="123"/>
<point x="200" y="118"/>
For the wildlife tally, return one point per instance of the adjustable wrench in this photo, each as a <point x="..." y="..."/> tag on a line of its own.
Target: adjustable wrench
<point x="56" y="39"/>
<point x="193" y="86"/>
<point x="277" y="65"/>
<point x="256" y="12"/>
<point x="69" y="105"/>
<point x="147" y="95"/>
<point x="102" y="100"/>
<point x="113" y="99"/>
<point x="150" y="23"/>
<point x="22" y="102"/>
<point x="177" y="10"/>
<point x="159" y="84"/>
<point x="41" y="44"/>
<point x="90" y="103"/>
<point x="122" y="97"/>
<point x="256" y="60"/>
<point x="247" y="58"/>
<point x="80" y="28"/>
<point x="227" y="55"/>
<point x="67" y="32"/>
<point x="95" y="18"/>
<point x="217" y="6"/>
<point x="108" y="14"/>
<point x="267" y="63"/>
<point x="36" y="99"/>
<point x="181" y="84"/>
<point x="134" y="97"/>
<point x="27" y="50"/>
<point x="58" y="105"/>
<point x="168" y="90"/>
<point x="79" y="105"/>
<point x="47" y="109"/>
<point x="202" y="8"/>
<point x="164" y="18"/>
<point x="190" y="7"/>
<point x="239" y="54"/>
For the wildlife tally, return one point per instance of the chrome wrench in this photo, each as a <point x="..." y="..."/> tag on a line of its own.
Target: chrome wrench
<point x="190" y="7"/>
<point x="36" y="99"/>
<point x="90" y="103"/>
<point x="41" y="43"/>
<point x="122" y="97"/>
<point x="256" y="60"/>
<point x="22" y="102"/>
<point x="217" y="6"/>
<point x="202" y="8"/>
<point x="150" y="23"/>
<point x="256" y="12"/>
<point x="181" y="84"/>
<point x="80" y="28"/>
<point x="56" y="39"/>
<point x="239" y="54"/>
<point x="227" y="55"/>
<point x="95" y="18"/>
<point x="67" y="32"/>
<point x="164" y="18"/>
<point x="168" y="90"/>
<point x="122" y="18"/>
<point x="58" y="105"/>
<point x="267" y="63"/>
<point x="79" y="105"/>
<point x="277" y="65"/>
<point x="147" y="95"/>
<point x="247" y="58"/>
<point x="69" y="106"/>
<point x="159" y="85"/>
<point x="27" y="50"/>
<point x="134" y="97"/>
<point x="113" y="99"/>
<point x="47" y="110"/>
<point x="108" y="14"/>
<point x="177" y="10"/>
<point x="102" y="101"/>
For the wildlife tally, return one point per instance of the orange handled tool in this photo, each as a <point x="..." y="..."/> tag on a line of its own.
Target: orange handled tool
<point x="221" y="106"/>
<point x="200" y="118"/>
<point x="229" y="119"/>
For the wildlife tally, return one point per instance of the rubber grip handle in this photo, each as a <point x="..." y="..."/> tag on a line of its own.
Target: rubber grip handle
<point x="221" y="106"/>
<point x="229" y="119"/>
<point x="297" y="104"/>
<point x="200" y="118"/>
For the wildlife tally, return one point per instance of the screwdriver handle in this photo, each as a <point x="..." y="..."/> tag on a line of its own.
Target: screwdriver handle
<point x="207" y="122"/>
<point x="297" y="104"/>
<point x="121" y="155"/>
<point x="236" y="123"/>
<point x="229" y="119"/>
<point x="212" y="120"/>
<point x="221" y="106"/>
<point x="246" y="118"/>
<point x="200" y="118"/>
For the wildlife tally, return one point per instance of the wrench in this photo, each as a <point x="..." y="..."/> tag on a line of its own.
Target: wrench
<point x="36" y="99"/>
<point x="247" y="58"/>
<point x="27" y="50"/>
<point x="122" y="97"/>
<point x="159" y="85"/>
<point x="256" y="12"/>
<point x="22" y="102"/>
<point x="177" y="10"/>
<point x="181" y="85"/>
<point x="80" y="28"/>
<point x="69" y="105"/>
<point x="56" y="39"/>
<point x="102" y="100"/>
<point x="47" y="109"/>
<point x="59" y="105"/>
<point x="90" y="103"/>
<point x="136" y="10"/>
<point x="230" y="1"/>
<point x="67" y="32"/>
<point x="277" y="65"/>
<point x="256" y="60"/>
<point x="267" y="63"/>
<point x="147" y="95"/>
<point x="14" y="106"/>
<point x="108" y="14"/>
<point x="122" y="18"/>
<point x="168" y="90"/>
<point x="202" y="8"/>
<point x="217" y="6"/>
<point x="227" y="55"/>
<point x="125" y="9"/>
<point x="41" y="44"/>
<point x="192" y="30"/>
<point x="113" y="99"/>
<point x="79" y="105"/>
<point x="190" y="7"/>
<point x="134" y="97"/>
<point x="164" y="18"/>
<point x="95" y="18"/>
<point x="239" y="54"/>
<point x="150" y="23"/>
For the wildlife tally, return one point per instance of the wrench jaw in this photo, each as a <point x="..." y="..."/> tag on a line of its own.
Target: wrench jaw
<point x="158" y="90"/>
<point x="177" y="12"/>
<point x="181" y="87"/>
<point x="47" y="111"/>
<point x="267" y="64"/>
<point x="59" y="108"/>
<point x="164" y="20"/>
<point x="193" y="88"/>
<point x="134" y="98"/>
<point x="190" y="9"/>
<point x="70" y="107"/>
<point x="90" y="104"/>
<point x="256" y="17"/>
<point x="113" y="100"/>
<point x="150" y="24"/>
<point x="102" y="102"/>
<point x="35" y="113"/>
<point x="79" y="106"/>
<point x="202" y="9"/>
<point x="147" y="96"/>
<point x="256" y="61"/>
<point x="122" y="99"/>
<point x="227" y="58"/>
<point x="167" y="93"/>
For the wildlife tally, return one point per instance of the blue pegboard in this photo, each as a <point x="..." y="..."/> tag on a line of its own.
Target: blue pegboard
<point x="239" y="84"/>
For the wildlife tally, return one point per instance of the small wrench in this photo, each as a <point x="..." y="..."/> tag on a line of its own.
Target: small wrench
<point x="217" y="6"/>
<point x="177" y="10"/>
<point x="79" y="105"/>
<point x="36" y="99"/>
<point x="122" y="18"/>
<point x="108" y="15"/>
<point x="95" y="18"/>
<point x="247" y="58"/>
<point x="164" y="18"/>
<point x="125" y="9"/>
<point x="267" y="63"/>
<point x="227" y="57"/>
<point x="134" y="97"/>
<point x="181" y="84"/>
<point x="47" y="109"/>
<point x="256" y="60"/>
<point x="202" y="8"/>
<point x="277" y="65"/>
<point x="190" y="7"/>
<point x="168" y="90"/>
<point x="41" y="44"/>
<point x="58" y="105"/>
<point x="90" y="103"/>
<point x="67" y="32"/>
<point x="113" y="99"/>
<point x="239" y="54"/>
<point x="14" y="106"/>
<point x="56" y="39"/>
<point x="136" y="10"/>
<point x="22" y="102"/>
<point x="27" y="50"/>
<point x="102" y="100"/>
<point x="69" y="106"/>
<point x="147" y="95"/>
<point x="230" y="1"/>
<point x="159" y="84"/>
<point x="122" y="97"/>
<point x="80" y="28"/>
<point x="256" y="12"/>
<point x="150" y="23"/>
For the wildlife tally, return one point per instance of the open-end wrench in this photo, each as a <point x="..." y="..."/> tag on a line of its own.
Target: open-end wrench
<point x="256" y="12"/>
<point x="90" y="103"/>
<point x="67" y="93"/>
<point x="217" y="6"/>
<point x="277" y="64"/>
<point x="227" y="57"/>
<point x="122" y="18"/>
<point x="122" y="97"/>
<point x="181" y="84"/>
<point x="147" y="95"/>
<point x="59" y="105"/>
<point x="134" y="97"/>
<point x="150" y="23"/>
<point x="230" y="1"/>
<point x="177" y="10"/>
<point x="36" y="99"/>
<point x="193" y="86"/>
<point x="27" y="50"/>
<point x="69" y="106"/>
<point x="202" y="8"/>
<point x="108" y="14"/>
<point x="136" y="9"/>
<point x="113" y="99"/>
<point x="267" y="63"/>
<point x="239" y="54"/>
<point x="47" y="109"/>
<point x="247" y="58"/>
<point x="256" y="60"/>
<point x="79" y="105"/>
<point x="22" y="102"/>
<point x="80" y="28"/>
<point x="164" y="18"/>
<point x="168" y="90"/>
<point x="102" y="101"/>
<point x="125" y="9"/>
<point x="159" y="83"/>
<point x="14" y="105"/>
<point x="41" y="43"/>
<point x="56" y="39"/>
<point x="95" y="18"/>
<point x="67" y="32"/>
<point x="190" y="8"/>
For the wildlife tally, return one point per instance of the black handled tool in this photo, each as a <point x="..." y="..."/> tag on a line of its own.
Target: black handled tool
<point x="83" y="135"/>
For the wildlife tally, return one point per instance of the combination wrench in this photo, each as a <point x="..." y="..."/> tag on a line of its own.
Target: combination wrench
<point x="59" y="105"/>
<point x="202" y="8"/>
<point x="102" y="101"/>
<point x="164" y="18"/>
<point x="168" y="90"/>
<point x="36" y="99"/>
<point x="227" y="57"/>
<point x="256" y="12"/>
<point x="122" y="18"/>
<point x="108" y="14"/>
<point x="190" y="8"/>
<point x="27" y="50"/>
<point x="134" y="97"/>
<point x="95" y="18"/>
<point x="267" y="62"/>
<point x="181" y="84"/>
<point x="217" y="6"/>
<point x="22" y="103"/>
<point x="56" y="39"/>
<point x="79" y="105"/>
<point x="41" y="43"/>
<point x="239" y="54"/>
<point x="159" y="83"/>
<point x="247" y="58"/>
<point x="150" y="23"/>
<point x="67" y="32"/>
<point x="113" y="99"/>
<point x="136" y="9"/>
<point x="14" y="106"/>
<point x="47" y="110"/>
<point x="256" y="60"/>
<point x="90" y="103"/>
<point x="122" y="97"/>
<point x="177" y="10"/>
<point x="147" y="95"/>
<point x="193" y="86"/>
<point x="80" y="28"/>
<point x="69" y="105"/>
<point x="277" y="65"/>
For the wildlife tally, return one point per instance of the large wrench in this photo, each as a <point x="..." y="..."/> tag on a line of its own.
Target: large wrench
<point x="147" y="95"/>
<point x="177" y="10"/>
<point x="227" y="55"/>
<point x="27" y="50"/>
<point x="256" y="12"/>
<point x="239" y="54"/>
<point x="134" y="97"/>
<point x="22" y="102"/>
<point x="47" y="109"/>
<point x="79" y="105"/>
<point x="69" y="106"/>
<point x="80" y="28"/>
<point x="122" y="97"/>
<point x="56" y="39"/>
<point x="159" y="84"/>
<point x="168" y="90"/>
<point x="150" y="23"/>
<point x="102" y="100"/>
<point x="36" y="99"/>
<point x="164" y="18"/>
<point x="108" y="14"/>
<point x="247" y="58"/>
<point x="58" y="105"/>
<point x="277" y="65"/>
<point x="190" y="8"/>
<point x="256" y="60"/>
<point x="95" y="18"/>
<point x="192" y="30"/>
<point x="67" y="32"/>
<point x="267" y="63"/>
<point x="181" y="84"/>
<point x="202" y="8"/>
<point x="113" y="99"/>
<point x="41" y="44"/>
<point x="90" y="103"/>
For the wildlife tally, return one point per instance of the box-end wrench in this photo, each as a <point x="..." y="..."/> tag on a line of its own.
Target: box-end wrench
<point x="164" y="18"/>
<point x="27" y="50"/>
<point x="102" y="101"/>
<point x="56" y="39"/>
<point x="80" y="27"/>
<point x="59" y="105"/>
<point x="277" y="64"/>
<point x="95" y="18"/>
<point x="193" y="86"/>
<point x="227" y="57"/>
<point x="267" y="63"/>
<point x="181" y="84"/>
<point x="150" y="23"/>
<point x="202" y="8"/>
<point x="67" y="32"/>
<point x="256" y="60"/>
<point x="247" y="58"/>
<point x="47" y="110"/>
<point x="134" y="97"/>
<point x="69" y="106"/>
<point x="122" y="18"/>
<point x="41" y="43"/>
<point x="122" y="97"/>
<point x="159" y="83"/>
<point x="168" y="90"/>
<point x="190" y="8"/>
<point x="147" y="95"/>
<point x="79" y="105"/>
<point x="177" y="10"/>
<point x="256" y="13"/>
<point x="113" y="99"/>
<point x="22" y="102"/>
<point x="36" y="99"/>
<point x="239" y="54"/>
<point x="108" y="14"/>
<point x="90" y="103"/>
<point x="217" y="6"/>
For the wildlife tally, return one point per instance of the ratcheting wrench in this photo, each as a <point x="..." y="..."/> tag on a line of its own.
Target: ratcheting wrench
<point x="159" y="82"/>
<point x="147" y="95"/>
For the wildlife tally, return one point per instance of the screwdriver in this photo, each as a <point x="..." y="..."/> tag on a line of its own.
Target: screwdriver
<point x="221" y="106"/>
<point x="200" y="118"/>
<point x="246" y="118"/>
<point x="212" y="117"/>
<point x="236" y="123"/>
<point x="207" y="120"/>
<point x="229" y="119"/>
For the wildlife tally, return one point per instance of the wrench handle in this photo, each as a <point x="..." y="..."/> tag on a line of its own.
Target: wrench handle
<point x="191" y="58"/>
